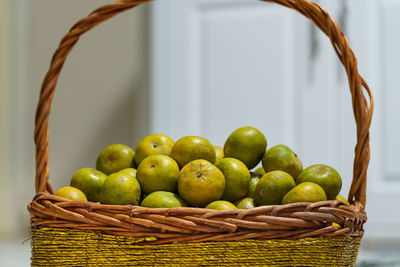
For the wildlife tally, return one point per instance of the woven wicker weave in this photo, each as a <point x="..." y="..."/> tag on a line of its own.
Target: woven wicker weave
<point x="108" y="250"/>
<point x="292" y="221"/>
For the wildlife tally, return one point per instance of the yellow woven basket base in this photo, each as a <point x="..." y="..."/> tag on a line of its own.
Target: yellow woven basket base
<point x="69" y="247"/>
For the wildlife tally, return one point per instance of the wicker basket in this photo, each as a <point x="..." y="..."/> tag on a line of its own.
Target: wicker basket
<point x="67" y="233"/>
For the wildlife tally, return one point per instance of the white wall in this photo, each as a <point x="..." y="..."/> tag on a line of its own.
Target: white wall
<point x="101" y="96"/>
<point x="4" y="120"/>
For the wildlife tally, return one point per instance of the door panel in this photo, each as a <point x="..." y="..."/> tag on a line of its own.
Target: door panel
<point x="379" y="42"/>
<point x="221" y="64"/>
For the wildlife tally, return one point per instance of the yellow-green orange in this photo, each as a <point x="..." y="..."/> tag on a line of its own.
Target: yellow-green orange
<point x="120" y="189"/>
<point x="131" y="171"/>
<point x="336" y="225"/>
<point x="246" y="144"/>
<point x="153" y="144"/>
<point x="282" y="158"/>
<point x="71" y="193"/>
<point x="163" y="199"/>
<point x="115" y="158"/>
<point x="237" y="178"/>
<point x="252" y="186"/>
<point x="260" y="171"/>
<point x="200" y="183"/>
<point x="272" y="187"/>
<point x="219" y="153"/>
<point x="190" y="148"/>
<point x="345" y="201"/>
<point x="305" y="192"/>
<point x="325" y="176"/>
<point x="158" y="173"/>
<point x="245" y="203"/>
<point x="221" y="205"/>
<point x="89" y="181"/>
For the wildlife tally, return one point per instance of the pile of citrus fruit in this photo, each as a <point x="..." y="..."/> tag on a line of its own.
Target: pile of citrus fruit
<point x="161" y="173"/>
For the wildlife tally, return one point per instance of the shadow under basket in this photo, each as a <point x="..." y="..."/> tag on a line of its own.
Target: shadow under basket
<point x="74" y="233"/>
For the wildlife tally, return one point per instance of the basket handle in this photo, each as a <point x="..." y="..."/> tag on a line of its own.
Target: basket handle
<point x="358" y="87"/>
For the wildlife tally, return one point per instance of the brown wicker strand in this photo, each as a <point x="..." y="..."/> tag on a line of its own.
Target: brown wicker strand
<point x="362" y="112"/>
<point x="50" y="81"/>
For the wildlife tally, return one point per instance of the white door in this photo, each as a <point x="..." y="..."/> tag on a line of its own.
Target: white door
<point x="218" y="65"/>
<point x="222" y="64"/>
<point x="376" y="31"/>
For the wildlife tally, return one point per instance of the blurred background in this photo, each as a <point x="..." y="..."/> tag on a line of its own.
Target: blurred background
<point x="200" y="67"/>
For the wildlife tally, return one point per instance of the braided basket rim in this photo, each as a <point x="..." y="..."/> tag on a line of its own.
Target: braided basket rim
<point x="187" y="224"/>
